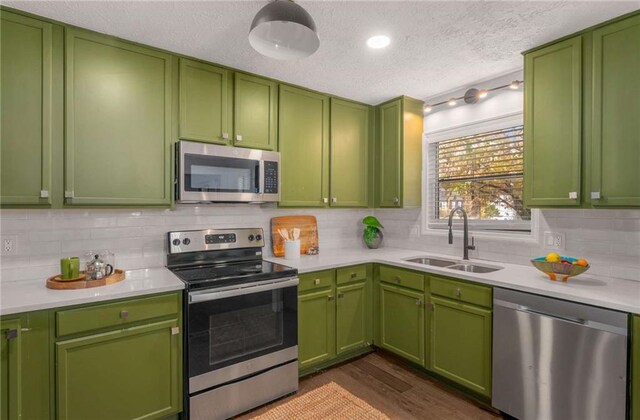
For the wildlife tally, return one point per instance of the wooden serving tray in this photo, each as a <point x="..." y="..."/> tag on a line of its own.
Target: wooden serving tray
<point x="56" y="283"/>
<point x="308" y="232"/>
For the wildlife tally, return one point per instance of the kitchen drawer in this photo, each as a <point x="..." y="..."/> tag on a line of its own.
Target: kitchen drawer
<point x="316" y="281"/>
<point x="349" y="274"/>
<point x="462" y="291"/>
<point x="116" y="314"/>
<point x="402" y="277"/>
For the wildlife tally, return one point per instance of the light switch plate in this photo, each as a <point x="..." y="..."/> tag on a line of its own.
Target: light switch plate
<point x="554" y="240"/>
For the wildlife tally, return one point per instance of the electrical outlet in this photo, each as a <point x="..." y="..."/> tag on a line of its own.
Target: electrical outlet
<point x="554" y="240"/>
<point x="9" y="244"/>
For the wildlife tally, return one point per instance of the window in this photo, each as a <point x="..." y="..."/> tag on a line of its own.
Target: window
<point x="482" y="173"/>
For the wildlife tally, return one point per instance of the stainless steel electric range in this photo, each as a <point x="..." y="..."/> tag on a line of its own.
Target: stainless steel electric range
<point x="240" y="319"/>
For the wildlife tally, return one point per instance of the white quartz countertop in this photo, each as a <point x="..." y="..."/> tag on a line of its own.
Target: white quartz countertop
<point x="618" y="294"/>
<point x="33" y="295"/>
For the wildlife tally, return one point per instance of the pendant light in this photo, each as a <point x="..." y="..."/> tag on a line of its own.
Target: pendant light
<point x="284" y="30"/>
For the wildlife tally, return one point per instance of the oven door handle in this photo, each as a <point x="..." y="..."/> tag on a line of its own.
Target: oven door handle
<point x="197" y="297"/>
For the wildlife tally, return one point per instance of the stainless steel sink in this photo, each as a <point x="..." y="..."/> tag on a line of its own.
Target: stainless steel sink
<point x="431" y="261"/>
<point x="473" y="268"/>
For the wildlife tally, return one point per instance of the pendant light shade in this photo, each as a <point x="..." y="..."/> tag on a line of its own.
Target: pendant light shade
<point x="284" y="30"/>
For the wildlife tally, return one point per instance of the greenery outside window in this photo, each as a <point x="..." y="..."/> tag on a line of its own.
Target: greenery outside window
<point x="482" y="173"/>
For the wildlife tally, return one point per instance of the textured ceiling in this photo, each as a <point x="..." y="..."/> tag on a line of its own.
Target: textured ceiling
<point x="436" y="45"/>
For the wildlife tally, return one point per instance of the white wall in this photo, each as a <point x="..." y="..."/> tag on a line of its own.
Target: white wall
<point x="137" y="237"/>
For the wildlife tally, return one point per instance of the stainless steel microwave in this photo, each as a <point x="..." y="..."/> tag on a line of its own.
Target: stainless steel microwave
<point x="212" y="173"/>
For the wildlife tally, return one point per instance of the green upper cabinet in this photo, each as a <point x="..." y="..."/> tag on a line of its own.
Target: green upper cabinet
<point x="400" y="126"/>
<point x="349" y="151"/>
<point x="204" y="102"/>
<point x="402" y="324"/>
<point x="461" y="343"/>
<point x="615" y="172"/>
<point x="303" y="142"/>
<point x="118" y="122"/>
<point x="553" y="124"/>
<point x="26" y="123"/>
<point x="255" y="112"/>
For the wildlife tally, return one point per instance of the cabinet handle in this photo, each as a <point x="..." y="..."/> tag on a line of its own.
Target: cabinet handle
<point x="595" y="195"/>
<point x="418" y="302"/>
<point x="330" y="298"/>
<point x="124" y="314"/>
<point x="325" y="200"/>
<point x="396" y="200"/>
<point x="354" y="275"/>
<point x="68" y="194"/>
<point x="573" y="195"/>
<point x="398" y="279"/>
<point x="316" y="281"/>
<point x="44" y="194"/>
<point x="238" y="137"/>
<point x="225" y="136"/>
<point x="12" y="334"/>
<point x="334" y="199"/>
<point x="432" y="306"/>
<point x="340" y="295"/>
<point x="175" y="330"/>
<point x="458" y="292"/>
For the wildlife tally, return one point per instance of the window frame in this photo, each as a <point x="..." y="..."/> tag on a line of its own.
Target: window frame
<point x="494" y="229"/>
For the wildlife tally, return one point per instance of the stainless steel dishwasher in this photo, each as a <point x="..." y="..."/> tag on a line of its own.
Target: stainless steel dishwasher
<point x="554" y="359"/>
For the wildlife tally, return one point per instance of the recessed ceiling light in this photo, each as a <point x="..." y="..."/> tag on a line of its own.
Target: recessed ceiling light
<point x="428" y="108"/>
<point x="378" y="41"/>
<point x="452" y="102"/>
<point x="482" y="93"/>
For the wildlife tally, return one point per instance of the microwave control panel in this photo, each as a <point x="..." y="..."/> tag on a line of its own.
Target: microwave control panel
<point x="270" y="177"/>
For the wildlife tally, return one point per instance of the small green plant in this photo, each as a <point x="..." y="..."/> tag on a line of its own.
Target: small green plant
<point x="371" y="228"/>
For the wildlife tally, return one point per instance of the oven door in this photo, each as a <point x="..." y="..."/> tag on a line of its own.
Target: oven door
<point x="237" y="332"/>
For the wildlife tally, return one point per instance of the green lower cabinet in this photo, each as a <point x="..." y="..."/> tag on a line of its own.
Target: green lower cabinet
<point x="635" y="367"/>
<point x="123" y="374"/>
<point x="352" y="318"/>
<point x="25" y="367"/>
<point x="316" y="327"/>
<point x="402" y="322"/>
<point x="461" y="344"/>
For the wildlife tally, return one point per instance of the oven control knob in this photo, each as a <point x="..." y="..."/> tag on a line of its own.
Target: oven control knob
<point x="258" y="237"/>
<point x="251" y="238"/>
<point x="186" y="241"/>
<point x="176" y="242"/>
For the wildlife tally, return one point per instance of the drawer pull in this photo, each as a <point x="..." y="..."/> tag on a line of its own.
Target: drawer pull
<point x="458" y="292"/>
<point x="330" y="298"/>
<point x="398" y="279"/>
<point x="340" y="295"/>
<point x="418" y="302"/>
<point x="316" y="281"/>
<point x="354" y="275"/>
<point x="124" y="314"/>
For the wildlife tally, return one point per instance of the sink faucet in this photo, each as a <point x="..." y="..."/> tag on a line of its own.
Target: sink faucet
<point x="465" y="246"/>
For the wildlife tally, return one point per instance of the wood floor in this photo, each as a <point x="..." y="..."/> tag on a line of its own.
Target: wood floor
<point x="392" y="388"/>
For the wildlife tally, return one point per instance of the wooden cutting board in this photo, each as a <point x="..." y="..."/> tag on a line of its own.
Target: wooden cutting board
<point x="308" y="232"/>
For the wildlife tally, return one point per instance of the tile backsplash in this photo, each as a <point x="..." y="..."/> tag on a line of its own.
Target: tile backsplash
<point x="609" y="239"/>
<point x="137" y="237"/>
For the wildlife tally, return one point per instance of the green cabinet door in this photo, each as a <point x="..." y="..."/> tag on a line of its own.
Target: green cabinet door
<point x="303" y="144"/>
<point x="390" y="141"/>
<point x="204" y="106"/>
<point x="10" y="369"/>
<point x="254" y="112"/>
<point x="553" y="124"/>
<point x="635" y="367"/>
<point x="616" y="109"/>
<point x="26" y="110"/>
<point x="123" y="374"/>
<point x="461" y="344"/>
<point x="349" y="145"/>
<point x="316" y="327"/>
<point x="118" y="122"/>
<point x="352" y="320"/>
<point x="401" y="325"/>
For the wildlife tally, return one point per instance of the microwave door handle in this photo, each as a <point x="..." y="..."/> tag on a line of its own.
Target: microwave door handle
<point x="261" y="177"/>
<point x="206" y="296"/>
